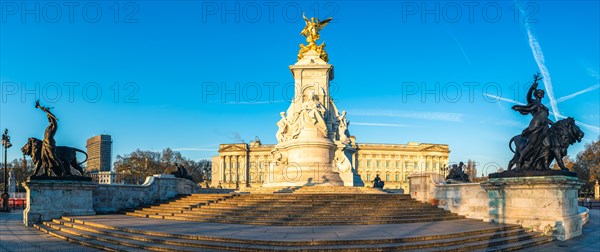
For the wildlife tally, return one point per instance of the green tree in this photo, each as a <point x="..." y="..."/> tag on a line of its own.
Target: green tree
<point x="587" y="164"/>
<point x="133" y="168"/>
<point x="569" y="163"/>
<point x="21" y="168"/>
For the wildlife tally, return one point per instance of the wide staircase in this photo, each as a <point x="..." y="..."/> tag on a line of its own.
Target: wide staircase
<point x="307" y="206"/>
<point x="297" y="219"/>
<point x="313" y="190"/>
<point x="116" y="238"/>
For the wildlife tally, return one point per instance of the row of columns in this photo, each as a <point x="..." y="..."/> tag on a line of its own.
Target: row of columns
<point x="433" y="163"/>
<point x="234" y="169"/>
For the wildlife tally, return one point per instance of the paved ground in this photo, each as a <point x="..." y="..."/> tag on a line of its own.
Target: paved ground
<point x="16" y="237"/>
<point x="588" y="241"/>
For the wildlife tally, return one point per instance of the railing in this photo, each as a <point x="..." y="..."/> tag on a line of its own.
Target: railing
<point x="17" y="195"/>
<point x="590" y="205"/>
<point x="15" y="203"/>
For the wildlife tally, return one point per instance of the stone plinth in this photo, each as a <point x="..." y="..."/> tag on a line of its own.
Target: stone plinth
<point x="546" y="204"/>
<point x="423" y="186"/>
<point x="49" y="199"/>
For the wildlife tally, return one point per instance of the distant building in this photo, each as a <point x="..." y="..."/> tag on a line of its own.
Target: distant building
<point x="471" y="169"/>
<point x="99" y="150"/>
<point x="105" y="177"/>
<point x="249" y="164"/>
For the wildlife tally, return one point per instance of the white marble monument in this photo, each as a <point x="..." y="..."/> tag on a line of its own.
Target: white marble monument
<point x="314" y="146"/>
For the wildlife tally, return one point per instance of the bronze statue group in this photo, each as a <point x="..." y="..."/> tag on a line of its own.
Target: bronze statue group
<point x="52" y="160"/>
<point x="543" y="140"/>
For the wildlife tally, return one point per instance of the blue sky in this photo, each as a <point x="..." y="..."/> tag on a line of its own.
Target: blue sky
<point x="192" y="74"/>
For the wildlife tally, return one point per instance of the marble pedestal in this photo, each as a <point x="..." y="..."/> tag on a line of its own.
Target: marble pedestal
<point x="546" y="204"/>
<point x="50" y="199"/>
<point x="308" y="163"/>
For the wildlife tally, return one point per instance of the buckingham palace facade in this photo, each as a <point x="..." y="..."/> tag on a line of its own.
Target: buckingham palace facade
<point x="247" y="165"/>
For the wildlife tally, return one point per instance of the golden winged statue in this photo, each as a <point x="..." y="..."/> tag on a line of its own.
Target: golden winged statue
<point x="311" y="32"/>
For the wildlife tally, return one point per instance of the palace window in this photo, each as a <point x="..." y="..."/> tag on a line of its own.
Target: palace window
<point x="378" y="163"/>
<point x="368" y="163"/>
<point x="397" y="164"/>
<point x="397" y="177"/>
<point x="387" y="177"/>
<point x="387" y="164"/>
<point x="368" y="177"/>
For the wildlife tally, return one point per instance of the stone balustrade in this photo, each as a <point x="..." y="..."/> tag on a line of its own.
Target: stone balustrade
<point x="50" y="199"/>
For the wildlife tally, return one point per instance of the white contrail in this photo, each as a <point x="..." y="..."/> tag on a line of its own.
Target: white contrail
<point x="592" y="72"/>
<point x="539" y="59"/>
<point x="254" y="102"/>
<point x="379" y="124"/>
<point x="435" y="116"/>
<point x="194" y="149"/>
<point x="573" y="95"/>
<point x="503" y="99"/>
<point x="461" y="48"/>
<point x="589" y="126"/>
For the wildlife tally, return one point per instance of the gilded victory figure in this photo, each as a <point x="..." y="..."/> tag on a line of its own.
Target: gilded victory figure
<point x="311" y="32"/>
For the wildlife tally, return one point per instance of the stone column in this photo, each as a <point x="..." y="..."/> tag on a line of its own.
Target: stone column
<point x="597" y="191"/>
<point x="12" y="183"/>
<point x="230" y="164"/>
<point x="237" y="168"/>
<point x="222" y="170"/>
<point x="306" y="157"/>
<point x="429" y="163"/>
<point x="247" y="168"/>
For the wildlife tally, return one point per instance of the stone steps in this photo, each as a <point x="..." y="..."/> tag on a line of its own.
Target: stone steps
<point x="293" y="216"/>
<point x="226" y="206"/>
<point x="201" y="211"/>
<point x="194" y="200"/>
<point x="295" y="209"/>
<point x="312" y="190"/>
<point x="113" y="238"/>
<point x="296" y="222"/>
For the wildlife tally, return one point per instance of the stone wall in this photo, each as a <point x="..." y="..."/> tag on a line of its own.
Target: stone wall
<point x="112" y="198"/>
<point x="50" y="199"/>
<point x="467" y="199"/>
<point x="543" y="204"/>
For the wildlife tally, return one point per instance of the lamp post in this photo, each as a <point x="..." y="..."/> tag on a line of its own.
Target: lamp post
<point x="6" y="143"/>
